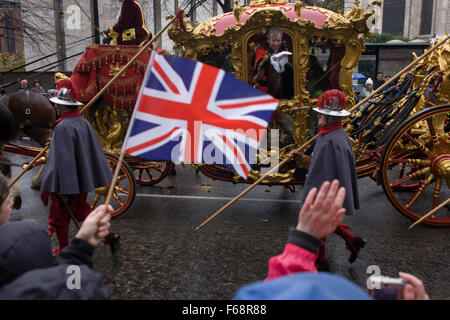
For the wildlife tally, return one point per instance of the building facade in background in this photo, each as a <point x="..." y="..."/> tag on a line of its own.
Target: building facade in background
<point x="11" y="37"/>
<point x="413" y="19"/>
<point x="64" y="33"/>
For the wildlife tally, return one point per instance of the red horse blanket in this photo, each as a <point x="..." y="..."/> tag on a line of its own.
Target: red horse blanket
<point x="100" y="63"/>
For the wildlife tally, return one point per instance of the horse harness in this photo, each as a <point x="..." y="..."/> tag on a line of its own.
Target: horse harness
<point x="27" y="123"/>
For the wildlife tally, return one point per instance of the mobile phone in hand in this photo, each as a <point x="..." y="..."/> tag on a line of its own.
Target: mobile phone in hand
<point x="386" y="288"/>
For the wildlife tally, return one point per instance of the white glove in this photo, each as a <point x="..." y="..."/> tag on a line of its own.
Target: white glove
<point x="279" y="60"/>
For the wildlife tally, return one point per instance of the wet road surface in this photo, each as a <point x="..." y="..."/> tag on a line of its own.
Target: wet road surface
<point x="163" y="257"/>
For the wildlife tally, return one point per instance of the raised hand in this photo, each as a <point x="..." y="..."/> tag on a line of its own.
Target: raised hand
<point x="321" y="216"/>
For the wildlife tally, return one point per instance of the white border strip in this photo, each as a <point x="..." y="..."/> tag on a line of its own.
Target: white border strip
<point x="143" y="195"/>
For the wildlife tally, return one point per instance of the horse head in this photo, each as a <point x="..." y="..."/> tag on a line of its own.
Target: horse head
<point x="34" y="114"/>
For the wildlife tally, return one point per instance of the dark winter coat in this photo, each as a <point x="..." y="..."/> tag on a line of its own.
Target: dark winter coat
<point x="332" y="158"/>
<point x="51" y="284"/>
<point x="76" y="161"/>
<point x="24" y="246"/>
<point x="27" y="270"/>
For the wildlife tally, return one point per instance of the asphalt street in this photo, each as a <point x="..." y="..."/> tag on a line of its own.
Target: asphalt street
<point x="163" y="257"/>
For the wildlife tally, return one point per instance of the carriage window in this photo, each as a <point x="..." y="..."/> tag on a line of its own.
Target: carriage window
<point x="276" y="79"/>
<point x="317" y="78"/>
<point x="324" y="69"/>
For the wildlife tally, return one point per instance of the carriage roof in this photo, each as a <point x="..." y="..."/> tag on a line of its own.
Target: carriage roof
<point x="318" y="16"/>
<point x="296" y="13"/>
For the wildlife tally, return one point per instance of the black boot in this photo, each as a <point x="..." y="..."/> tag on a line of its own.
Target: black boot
<point x="358" y="243"/>
<point x="113" y="240"/>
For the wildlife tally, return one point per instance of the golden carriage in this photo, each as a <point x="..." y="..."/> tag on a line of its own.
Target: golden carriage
<point x="400" y="138"/>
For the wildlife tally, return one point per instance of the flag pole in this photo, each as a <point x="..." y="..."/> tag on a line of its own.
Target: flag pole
<point x="425" y="54"/>
<point x="430" y="213"/>
<point x="274" y="169"/>
<point x="133" y="116"/>
<point x="28" y="167"/>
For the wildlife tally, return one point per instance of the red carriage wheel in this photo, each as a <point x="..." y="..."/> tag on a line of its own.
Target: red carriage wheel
<point x="418" y="156"/>
<point x="149" y="172"/>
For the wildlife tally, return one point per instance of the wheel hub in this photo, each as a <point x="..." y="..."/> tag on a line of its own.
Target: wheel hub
<point x="440" y="166"/>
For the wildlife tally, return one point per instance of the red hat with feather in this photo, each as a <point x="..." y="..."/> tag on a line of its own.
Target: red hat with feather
<point x="67" y="93"/>
<point x="332" y="103"/>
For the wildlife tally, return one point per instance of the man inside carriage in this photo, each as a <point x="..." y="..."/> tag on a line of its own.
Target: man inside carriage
<point x="130" y="28"/>
<point x="272" y="72"/>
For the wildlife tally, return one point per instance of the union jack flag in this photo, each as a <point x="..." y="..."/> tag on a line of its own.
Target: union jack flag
<point x="192" y="112"/>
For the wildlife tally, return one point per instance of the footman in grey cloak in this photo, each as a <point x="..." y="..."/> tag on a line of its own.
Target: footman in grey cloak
<point x="76" y="165"/>
<point x="332" y="158"/>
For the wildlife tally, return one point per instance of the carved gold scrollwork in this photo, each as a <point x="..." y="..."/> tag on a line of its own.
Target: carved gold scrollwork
<point x="110" y="125"/>
<point x="237" y="11"/>
<point x="444" y="64"/>
<point x="298" y="5"/>
<point x="261" y="2"/>
<point x="353" y="49"/>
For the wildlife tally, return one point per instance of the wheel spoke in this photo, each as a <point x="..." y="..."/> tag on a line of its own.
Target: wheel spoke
<point x="94" y="203"/>
<point x="149" y="173"/>
<point x="120" y="189"/>
<point x="437" y="192"/>
<point x="422" y="187"/>
<point x="419" y="145"/>
<point x="410" y="176"/>
<point x="117" y="199"/>
<point x="423" y="162"/>
<point x="433" y="134"/>
<point x="402" y="170"/>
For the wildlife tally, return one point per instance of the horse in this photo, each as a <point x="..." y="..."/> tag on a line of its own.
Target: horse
<point x="31" y="113"/>
<point x="34" y="114"/>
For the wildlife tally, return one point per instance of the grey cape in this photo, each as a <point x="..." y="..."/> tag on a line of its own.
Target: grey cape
<point x="332" y="158"/>
<point x="76" y="161"/>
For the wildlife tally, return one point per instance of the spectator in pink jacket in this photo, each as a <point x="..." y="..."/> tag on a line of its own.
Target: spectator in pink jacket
<point x="293" y="275"/>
